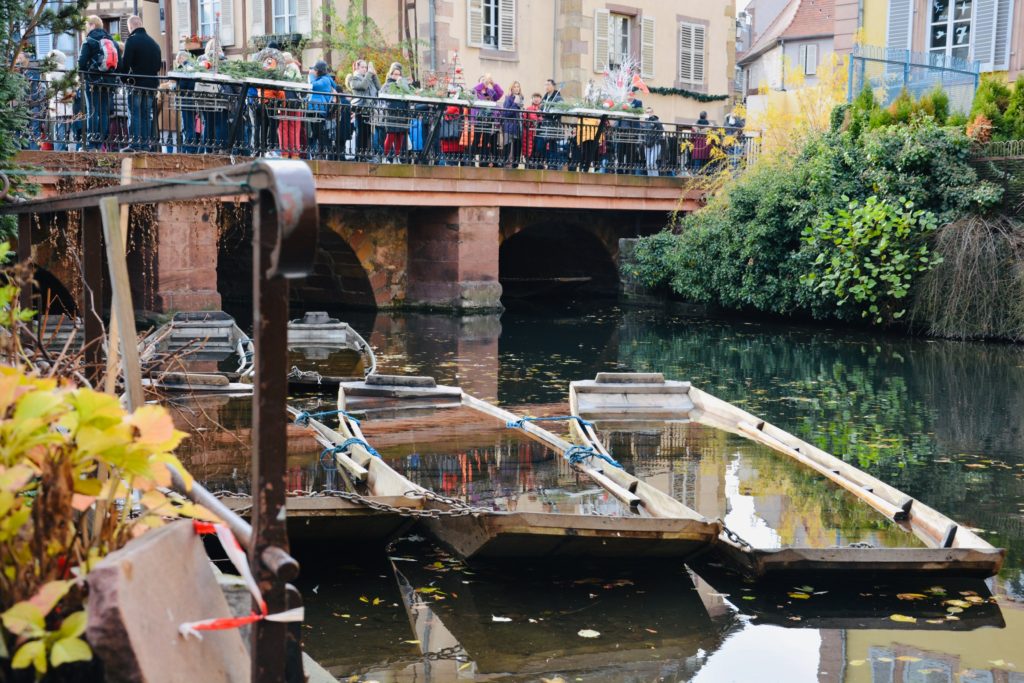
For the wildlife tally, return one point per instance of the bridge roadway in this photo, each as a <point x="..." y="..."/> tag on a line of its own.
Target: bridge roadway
<point x="409" y="235"/>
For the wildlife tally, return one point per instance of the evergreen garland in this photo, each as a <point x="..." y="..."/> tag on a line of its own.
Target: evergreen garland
<point x="682" y="92"/>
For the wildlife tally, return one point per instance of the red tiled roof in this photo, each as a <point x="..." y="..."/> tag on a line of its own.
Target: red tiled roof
<point x="813" y="18"/>
<point x="798" y="19"/>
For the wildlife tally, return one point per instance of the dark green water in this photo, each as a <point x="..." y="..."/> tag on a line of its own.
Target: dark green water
<point x="940" y="420"/>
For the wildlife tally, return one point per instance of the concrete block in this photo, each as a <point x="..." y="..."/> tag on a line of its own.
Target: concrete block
<point x="141" y="594"/>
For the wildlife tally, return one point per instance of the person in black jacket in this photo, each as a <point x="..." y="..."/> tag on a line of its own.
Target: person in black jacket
<point x="141" y="62"/>
<point x="98" y="86"/>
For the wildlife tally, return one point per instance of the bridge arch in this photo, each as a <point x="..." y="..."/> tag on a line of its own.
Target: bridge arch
<point x="556" y="257"/>
<point x="338" y="279"/>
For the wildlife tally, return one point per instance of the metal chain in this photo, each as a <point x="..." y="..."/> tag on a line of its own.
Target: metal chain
<point x="453" y="652"/>
<point x="734" y="537"/>
<point x="457" y="508"/>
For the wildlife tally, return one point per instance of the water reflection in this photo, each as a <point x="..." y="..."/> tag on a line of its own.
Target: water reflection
<point x="940" y="420"/>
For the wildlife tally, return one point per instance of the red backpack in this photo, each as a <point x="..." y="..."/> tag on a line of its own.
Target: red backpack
<point x="106" y="58"/>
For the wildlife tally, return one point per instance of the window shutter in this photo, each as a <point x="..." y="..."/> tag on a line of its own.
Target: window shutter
<point x="44" y="43"/>
<point x="257" y="18"/>
<point x="901" y="13"/>
<point x="475" y="23"/>
<point x="507" y="25"/>
<point x="984" y="30"/>
<point x="698" y="54"/>
<point x="801" y="60"/>
<point x="602" y="39"/>
<point x="303" y="17"/>
<point x="811" y="60"/>
<point x="182" y="20"/>
<point x="227" y="22"/>
<point x="1004" y="29"/>
<point x="685" y="53"/>
<point x="647" y="47"/>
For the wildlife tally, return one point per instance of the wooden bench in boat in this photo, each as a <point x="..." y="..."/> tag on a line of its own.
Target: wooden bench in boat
<point x="643" y="398"/>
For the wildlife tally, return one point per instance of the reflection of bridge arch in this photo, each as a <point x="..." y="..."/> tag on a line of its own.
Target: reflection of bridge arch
<point x="553" y="258"/>
<point x="338" y="278"/>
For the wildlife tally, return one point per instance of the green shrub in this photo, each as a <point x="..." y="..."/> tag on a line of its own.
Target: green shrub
<point x="1013" y="119"/>
<point x="744" y="250"/>
<point x="991" y="100"/>
<point x="868" y="255"/>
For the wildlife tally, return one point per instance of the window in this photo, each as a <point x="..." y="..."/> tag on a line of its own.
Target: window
<point x="491" y="24"/>
<point x="949" y="30"/>
<point x="285" y="16"/>
<point x="691" y="53"/>
<point x="620" y="34"/>
<point x="208" y="10"/>
<point x="809" y="59"/>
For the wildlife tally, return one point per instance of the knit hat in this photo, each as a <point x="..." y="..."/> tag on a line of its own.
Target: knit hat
<point x="395" y="65"/>
<point x="321" y="67"/>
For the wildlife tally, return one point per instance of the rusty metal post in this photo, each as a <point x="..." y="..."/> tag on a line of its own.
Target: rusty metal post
<point x="270" y="332"/>
<point x="284" y="243"/>
<point x="25" y="254"/>
<point x="91" y="302"/>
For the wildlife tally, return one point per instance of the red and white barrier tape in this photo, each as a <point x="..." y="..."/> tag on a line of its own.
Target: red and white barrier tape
<point x="237" y="556"/>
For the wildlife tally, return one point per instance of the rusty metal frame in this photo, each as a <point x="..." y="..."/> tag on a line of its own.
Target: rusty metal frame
<point x="285" y="224"/>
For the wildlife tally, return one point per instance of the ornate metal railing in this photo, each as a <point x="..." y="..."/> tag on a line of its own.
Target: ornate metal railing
<point x="219" y="115"/>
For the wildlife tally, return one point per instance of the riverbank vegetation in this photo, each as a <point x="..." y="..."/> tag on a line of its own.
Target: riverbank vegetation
<point x="879" y="220"/>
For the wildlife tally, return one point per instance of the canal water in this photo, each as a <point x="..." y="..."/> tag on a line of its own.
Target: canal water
<point x="940" y="420"/>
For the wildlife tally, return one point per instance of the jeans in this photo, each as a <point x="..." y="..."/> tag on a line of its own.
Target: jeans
<point x="141" y="125"/>
<point x="61" y="140"/>
<point x="653" y="154"/>
<point x="97" y="125"/>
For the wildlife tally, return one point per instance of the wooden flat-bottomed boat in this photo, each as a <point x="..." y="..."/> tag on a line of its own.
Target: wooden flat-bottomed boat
<point x="635" y="401"/>
<point x="653" y="524"/>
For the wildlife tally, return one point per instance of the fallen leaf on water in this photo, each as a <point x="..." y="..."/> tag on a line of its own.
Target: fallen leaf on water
<point x="934" y="621"/>
<point x="804" y="589"/>
<point x="911" y="596"/>
<point x="556" y="679"/>
<point x="650" y="630"/>
<point x="412" y="642"/>
<point x="967" y="593"/>
<point x="588" y="633"/>
<point x="749" y="597"/>
<point x="1000" y="663"/>
<point x="377" y="601"/>
<point x="975" y="600"/>
<point x="885" y="659"/>
<point x="494" y="618"/>
<point x="426" y="591"/>
<point x="936" y="590"/>
<point x="903" y="618"/>
<point x="908" y="658"/>
<point x="856" y="662"/>
<point x="799" y="596"/>
<point x="957" y="603"/>
<point x="343" y="616"/>
<point x="363" y="598"/>
<point x="795" y="618"/>
<point x="532" y="621"/>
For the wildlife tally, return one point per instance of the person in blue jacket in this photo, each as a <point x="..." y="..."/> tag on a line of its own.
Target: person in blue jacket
<point x="321" y="102"/>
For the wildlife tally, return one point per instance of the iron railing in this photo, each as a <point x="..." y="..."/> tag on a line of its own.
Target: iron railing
<point x="217" y="115"/>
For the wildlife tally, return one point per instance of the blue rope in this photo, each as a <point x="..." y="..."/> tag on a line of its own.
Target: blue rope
<point x="303" y="418"/>
<point x="576" y="455"/>
<point x="518" y="424"/>
<point x="341" y="448"/>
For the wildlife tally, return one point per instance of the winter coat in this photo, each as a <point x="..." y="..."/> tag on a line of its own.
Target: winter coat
<point x="141" y="59"/>
<point x="396" y="113"/>
<point x="323" y="88"/>
<point x="363" y="85"/>
<point x="91" y="50"/>
<point x="512" y="124"/>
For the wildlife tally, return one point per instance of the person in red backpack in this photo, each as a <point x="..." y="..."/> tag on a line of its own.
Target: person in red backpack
<point x="97" y="63"/>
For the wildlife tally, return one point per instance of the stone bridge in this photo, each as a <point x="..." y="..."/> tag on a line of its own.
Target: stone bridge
<point x="392" y="236"/>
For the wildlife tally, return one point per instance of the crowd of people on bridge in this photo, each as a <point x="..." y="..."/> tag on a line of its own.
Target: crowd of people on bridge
<point x="118" y="101"/>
